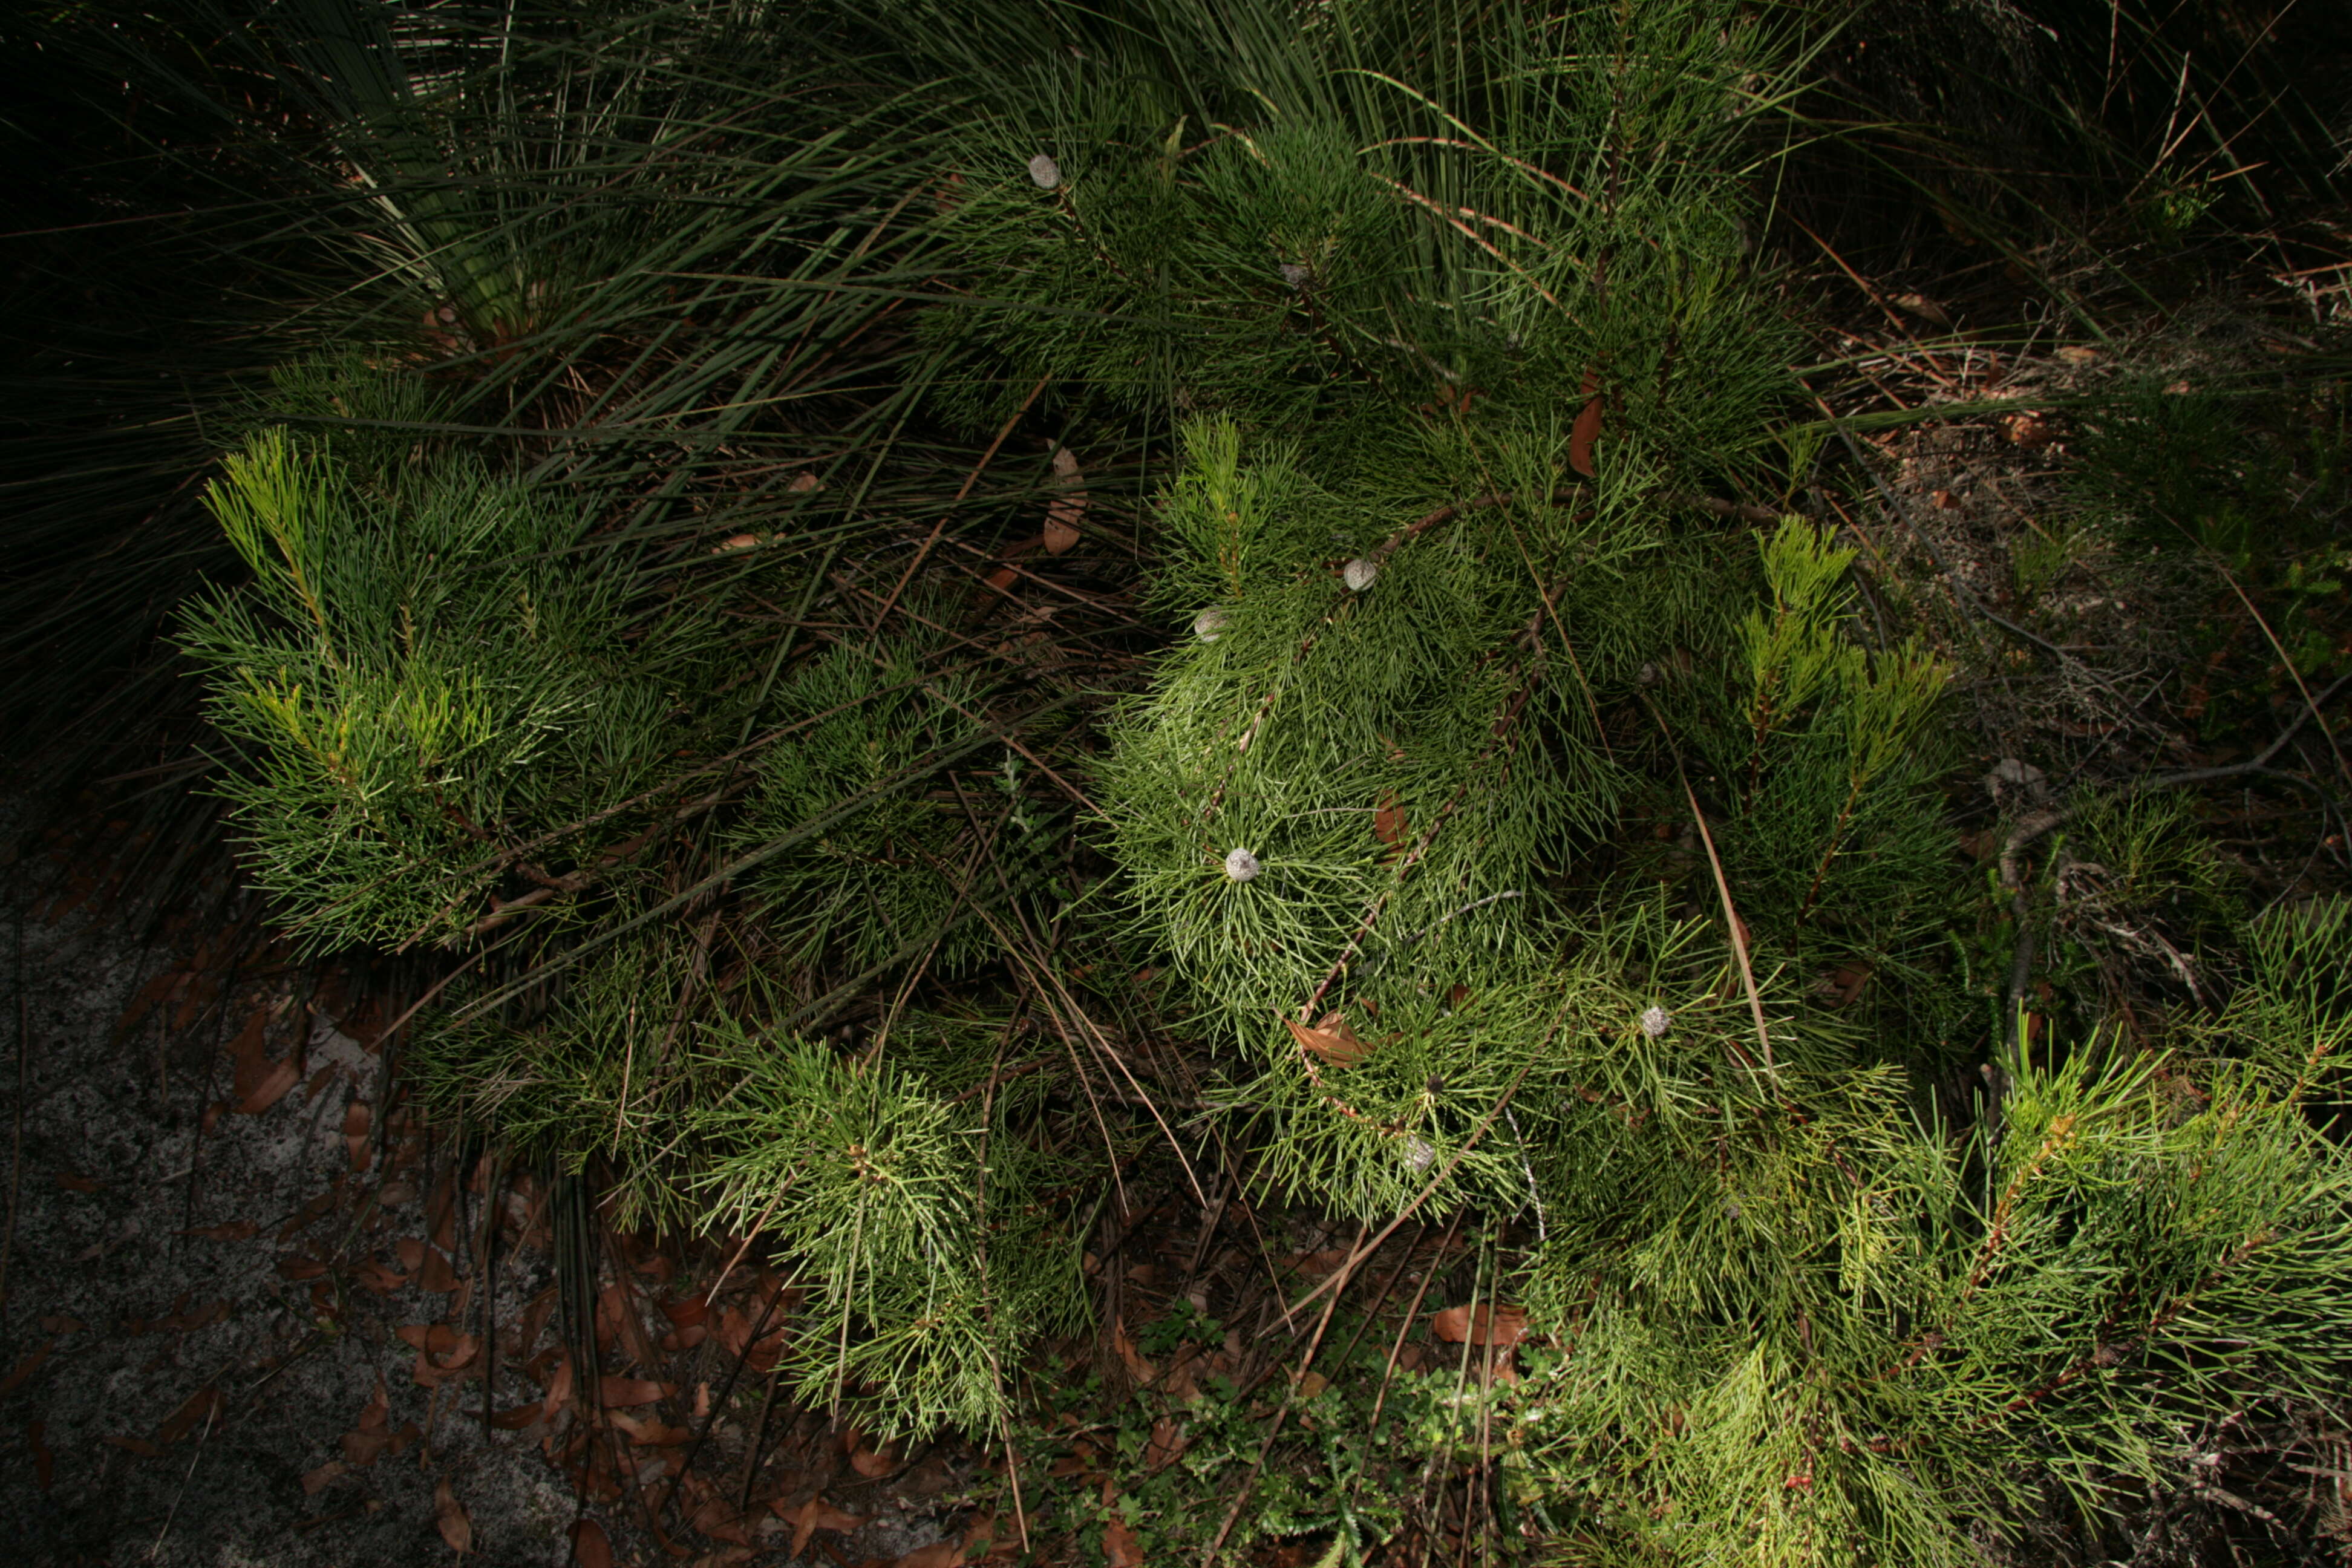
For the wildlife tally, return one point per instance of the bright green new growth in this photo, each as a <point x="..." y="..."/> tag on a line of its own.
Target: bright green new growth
<point x="423" y="681"/>
<point x="1836" y="842"/>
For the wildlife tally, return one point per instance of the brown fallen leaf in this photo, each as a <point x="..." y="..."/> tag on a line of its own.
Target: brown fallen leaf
<point x="44" y="1463"/>
<point x="647" y="1434"/>
<point x="1121" y="1547"/>
<point x="1388" y="822"/>
<point x="309" y="1213"/>
<point x="260" y="1082"/>
<point x="411" y="1253"/>
<point x="534" y="1321"/>
<point x="1587" y="429"/>
<point x="449" y="1518"/>
<point x="813" y="1516"/>
<point x="987" y="1538"/>
<point x="618" y="1313"/>
<point x="436" y="1274"/>
<point x="28" y="1367"/>
<point x="445" y="1358"/>
<point x="1182" y="1381"/>
<point x="301" y="1268"/>
<point x="2029" y="430"/>
<point x="718" y="1519"/>
<point x="1131" y="1354"/>
<point x="197" y="1410"/>
<point x="383" y="1281"/>
<point x="1927" y="309"/>
<point x="1481" y="1325"/>
<point x="58" y="1323"/>
<point x="615" y="1391"/>
<point x="1063" y="514"/>
<point x="735" y="1336"/>
<point x="591" y="1547"/>
<point x="1168" y="1440"/>
<point x="870" y="1462"/>
<point x="938" y="1554"/>
<point x="366" y="1442"/>
<point x="315" y="1482"/>
<point x="356" y="1121"/>
<point x="76" y="1183"/>
<point x="1331" y="1039"/>
<point x="558" y="1391"/>
<point x="235" y="1230"/>
<point x="139" y="1446"/>
<point x="438" y="1337"/>
<point x="1840" y="986"/>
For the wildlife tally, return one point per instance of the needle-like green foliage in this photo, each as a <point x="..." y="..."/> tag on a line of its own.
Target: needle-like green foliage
<point x="426" y="685"/>
<point x="1462" y="815"/>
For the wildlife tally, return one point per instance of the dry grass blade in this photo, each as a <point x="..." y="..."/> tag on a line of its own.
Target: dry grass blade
<point x="1733" y="924"/>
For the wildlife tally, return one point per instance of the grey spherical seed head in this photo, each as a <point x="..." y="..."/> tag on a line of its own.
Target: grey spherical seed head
<point x="1358" y="574"/>
<point x="1241" y="865"/>
<point x="1656" y="1022"/>
<point x="1296" y="275"/>
<point x="1047" y="172"/>
<point x="1210" y="624"/>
